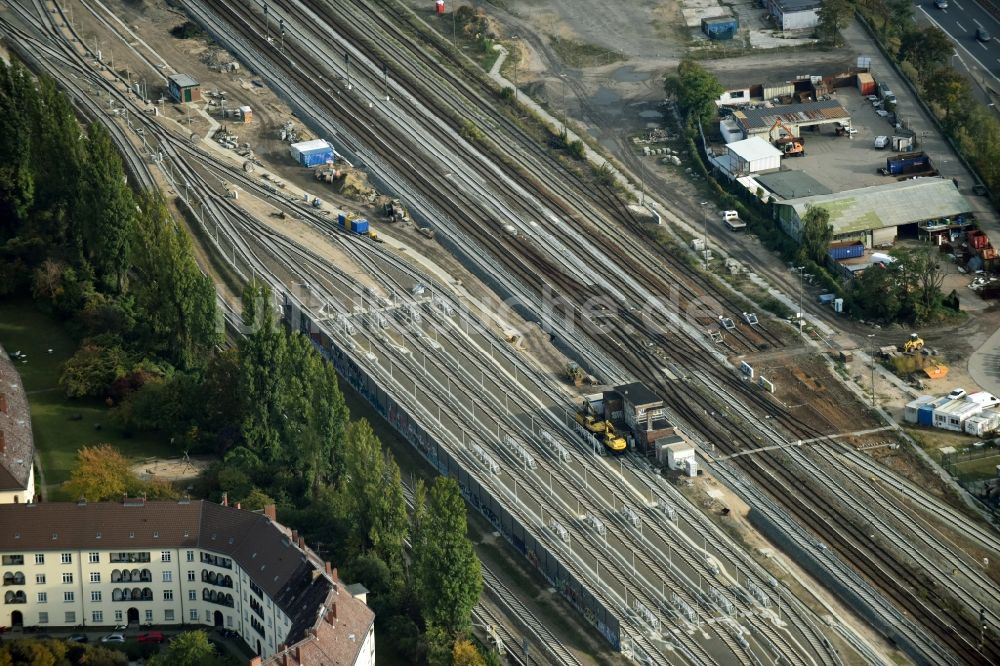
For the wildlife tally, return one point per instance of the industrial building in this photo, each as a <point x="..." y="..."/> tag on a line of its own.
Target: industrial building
<point x="184" y="88"/>
<point x="312" y="153"/>
<point x="17" y="445"/>
<point x="794" y="15"/>
<point x="877" y="215"/>
<point x="678" y="454"/>
<point x="761" y="120"/>
<point x="748" y="157"/>
<point x="642" y="411"/>
<point x="190" y="563"/>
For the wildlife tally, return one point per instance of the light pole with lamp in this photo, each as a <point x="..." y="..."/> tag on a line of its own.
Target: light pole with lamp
<point x="871" y="354"/>
<point x="798" y="315"/>
<point x="704" y="238"/>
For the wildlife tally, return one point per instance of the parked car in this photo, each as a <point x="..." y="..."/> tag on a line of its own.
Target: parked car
<point x="121" y="626"/>
<point x="983" y="35"/>
<point x="941" y="4"/>
<point x="113" y="638"/>
<point x="152" y="637"/>
<point x="78" y="638"/>
<point x="956" y="394"/>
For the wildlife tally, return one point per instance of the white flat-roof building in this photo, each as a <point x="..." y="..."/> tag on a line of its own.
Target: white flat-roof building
<point x="750" y="156"/>
<point x="952" y="415"/>
<point x="982" y="424"/>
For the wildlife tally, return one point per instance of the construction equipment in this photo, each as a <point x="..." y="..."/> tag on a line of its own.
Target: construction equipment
<point x="914" y="344"/>
<point x="613" y="442"/>
<point x="591" y="423"/>
<point x="789" y="144"/>
<point x="374" y="236"/>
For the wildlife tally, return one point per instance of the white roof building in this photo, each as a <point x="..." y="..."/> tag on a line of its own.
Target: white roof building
<point x="753" y="155"/>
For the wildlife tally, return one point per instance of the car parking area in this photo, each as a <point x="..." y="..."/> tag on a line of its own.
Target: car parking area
<point x="847" y="162"/>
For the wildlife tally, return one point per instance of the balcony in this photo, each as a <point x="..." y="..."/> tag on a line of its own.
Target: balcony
<point x="16" y="578"/>
<point x="12" y="560"/>
<point x="219" y="580"/>
<point x="132" y="576"/>
<point x="257" y="607"/>
<point x="18" y="597"/>
<point x="130" y="558"/>
<point x="258" y="626"/>
<point x="133" y="594"/>
<point x="216" y="561"/>
<point x="220" y="598"/>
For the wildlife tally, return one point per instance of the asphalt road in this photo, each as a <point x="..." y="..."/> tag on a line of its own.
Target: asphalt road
<point x="961" y="20"/>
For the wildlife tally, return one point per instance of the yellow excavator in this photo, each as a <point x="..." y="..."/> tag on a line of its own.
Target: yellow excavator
<point x="612" y="441"/>
<point x="589" y="422"/>
<point x="914" y="344"/>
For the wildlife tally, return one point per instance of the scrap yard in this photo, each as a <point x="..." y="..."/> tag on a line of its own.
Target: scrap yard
<point x="703" y="476"/>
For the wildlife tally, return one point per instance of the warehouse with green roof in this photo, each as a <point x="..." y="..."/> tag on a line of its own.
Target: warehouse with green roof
<point x="878" y="215"/>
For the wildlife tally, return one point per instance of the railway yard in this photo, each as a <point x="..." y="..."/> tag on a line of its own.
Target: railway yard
<point x="458" y="322"/>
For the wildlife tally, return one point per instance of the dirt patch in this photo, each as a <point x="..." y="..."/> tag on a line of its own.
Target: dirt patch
<point x="172" y="469"/>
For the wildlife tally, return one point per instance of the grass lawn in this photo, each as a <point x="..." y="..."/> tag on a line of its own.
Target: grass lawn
<point x="24" y="328"/>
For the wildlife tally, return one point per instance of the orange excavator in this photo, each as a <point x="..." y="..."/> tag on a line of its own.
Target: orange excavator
<point x="789" y="144"/>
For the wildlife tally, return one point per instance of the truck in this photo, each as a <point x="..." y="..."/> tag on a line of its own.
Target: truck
<point x="907" y="164"/>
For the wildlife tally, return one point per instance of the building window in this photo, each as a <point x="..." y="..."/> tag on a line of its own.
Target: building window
<point x="190" y="556"/>
<point x="39" y="558"/>
<point x="70" y="617"/>
<point x="69" y="597"/>
<point x="192" y="595"/>
<point x="43" y="617"/>
<point x="95" y="595"/>
<point x="165" y="556"/>
<point x="13" y="560"/>
<point x="148" y="615"/>
<point x="229" y="620"/>
<point x="97" y="617"/>
<point x="191" y="576"/>
<point x="168" y="595"/>
<point x="168" y="615"/>
<point x="95" y="558"/>
<point x="66" y="558"/>
<point x="40" y="579"/>
<point x="194" y="614"/>
<point x="95" y="576"/>
<point x="68" y="578"/>
<point x="168" y="576"/>
<point x="118" y="616"/>
<point x="43" y="597"/>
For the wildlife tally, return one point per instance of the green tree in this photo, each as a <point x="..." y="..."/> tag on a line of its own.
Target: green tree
<point x="439" y="646"/>
<point x="106" y="211"/>
<point x="191" y="648"/>
<point x="949" y="90"/>
<point x="874" y="295"/>
<point x="17" y="186"/>
<point x="927" y="48"/>
<point x="919" y="269"/>
<point x="464" y="653"/>
<point x="448" y="578"/>
<point x="815" y="235"/>
<point x="834" y="15"/>
<point x="377" y="506"/>
<point x="182" y="321"/>
<point x="263" y="358"/>
<point x="696" y="90"/>
<point x="92" y="369"/>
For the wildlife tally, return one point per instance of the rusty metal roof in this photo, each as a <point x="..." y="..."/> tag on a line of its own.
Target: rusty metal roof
<point x="810" y="113"/>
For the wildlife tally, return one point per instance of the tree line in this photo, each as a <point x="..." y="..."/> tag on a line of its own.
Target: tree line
<point x="116" y="268"/>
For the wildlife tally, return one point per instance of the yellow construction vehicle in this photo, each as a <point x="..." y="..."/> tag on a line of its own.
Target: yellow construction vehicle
<point x="612" y="441"/>
<point x="591" y="423"/>
<point x="913" y="345"/>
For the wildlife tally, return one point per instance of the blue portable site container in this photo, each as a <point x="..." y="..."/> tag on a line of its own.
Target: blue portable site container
<point x="342" y="219"/>
<point x="925" y="415"/>
<point x="720" y="27"/>
<point x="359" y="226"/>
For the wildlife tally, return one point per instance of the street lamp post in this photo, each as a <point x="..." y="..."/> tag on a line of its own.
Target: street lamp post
<point x="871" y="353"/>
<point x="798" y="315"/>
<point x="704" y="237"/>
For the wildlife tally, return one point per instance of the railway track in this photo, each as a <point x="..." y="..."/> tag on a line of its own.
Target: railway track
<point x="576" y="285"/>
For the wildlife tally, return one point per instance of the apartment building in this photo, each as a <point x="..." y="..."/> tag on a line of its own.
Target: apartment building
<point x="186" y="562"/>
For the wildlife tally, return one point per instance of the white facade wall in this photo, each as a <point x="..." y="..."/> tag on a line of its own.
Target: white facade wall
<point x="71" y="587"/>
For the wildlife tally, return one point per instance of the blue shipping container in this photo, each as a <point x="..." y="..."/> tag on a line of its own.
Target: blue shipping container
<point x="721" y="27"/>
<point x="342" y="219"/>
<point x="359" y="226"/>
<point x="847" y="251"/>
<point x="316" y="157"/>
<point x="925" y="415"/>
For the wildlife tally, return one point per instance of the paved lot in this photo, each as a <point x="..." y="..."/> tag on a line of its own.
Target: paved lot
<point x="841" y="163"/>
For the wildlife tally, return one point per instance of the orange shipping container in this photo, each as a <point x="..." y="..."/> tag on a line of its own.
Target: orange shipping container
<point x="866" y="84"/>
